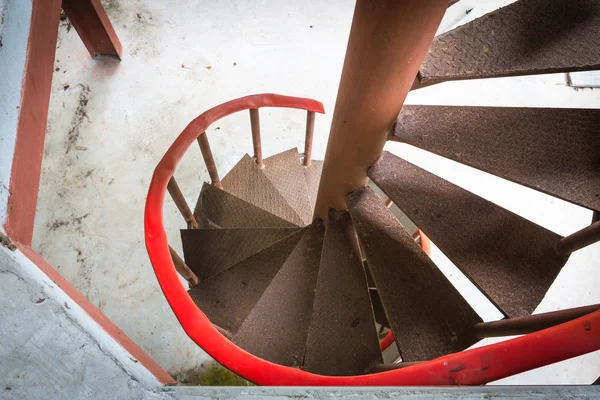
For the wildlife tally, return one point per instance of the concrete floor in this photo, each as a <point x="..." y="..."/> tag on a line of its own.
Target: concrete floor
<point x="110" y="122"/>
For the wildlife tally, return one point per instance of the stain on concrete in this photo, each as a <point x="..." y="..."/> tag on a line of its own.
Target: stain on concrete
<point x="54" y="225"/>
<point x="78" y="118"/>
<point x="112" y="7"/>
<point x="6" y="242"/>
<point x="64" y="21"/>
<point x="1" y="25"/>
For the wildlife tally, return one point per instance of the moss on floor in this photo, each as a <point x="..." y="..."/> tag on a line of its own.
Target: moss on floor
<point x="213" y="374"/>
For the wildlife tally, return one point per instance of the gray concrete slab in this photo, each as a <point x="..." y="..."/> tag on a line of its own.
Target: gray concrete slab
<point x="49" y="348"/>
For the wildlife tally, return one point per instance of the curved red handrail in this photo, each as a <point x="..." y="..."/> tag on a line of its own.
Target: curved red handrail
<point x="386" y="341"/>
<point x="470" y="367"/>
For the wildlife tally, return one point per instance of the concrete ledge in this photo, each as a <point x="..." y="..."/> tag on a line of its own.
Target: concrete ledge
<point x="51" y="348"/>
<point x="484" y="392"/>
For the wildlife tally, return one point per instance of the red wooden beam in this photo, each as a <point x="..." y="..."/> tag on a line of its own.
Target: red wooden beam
<point x="33" y="115"/>
<point x="93" y="26"/>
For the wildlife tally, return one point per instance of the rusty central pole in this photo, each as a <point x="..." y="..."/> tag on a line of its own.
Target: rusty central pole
<point x="388" y="41"/>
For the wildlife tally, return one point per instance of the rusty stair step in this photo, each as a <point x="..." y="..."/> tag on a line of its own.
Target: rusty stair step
<point x="286" y="173"/>
<point x="247" y="182"/>
<point x="277" y="327"/>
<point x="224" y="210"/>
<point x="228" y="297"/>
<point x="342" y="337"/>
<point x="312" y="173"/>
<point x="428" y="316"/>
<point x="512" y="260"/>
<point x="210" y="251"/>
<point x="524" y="38"/>
<point x="555" y="151"/>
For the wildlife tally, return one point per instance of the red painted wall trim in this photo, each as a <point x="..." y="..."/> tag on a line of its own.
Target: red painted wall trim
<point x="33" y="115"/>
<point x="125" y="341"/>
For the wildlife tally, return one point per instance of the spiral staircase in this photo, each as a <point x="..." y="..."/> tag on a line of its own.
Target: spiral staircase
<point x="283" y="293"/>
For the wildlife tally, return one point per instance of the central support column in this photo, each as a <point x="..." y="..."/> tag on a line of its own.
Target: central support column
<point x="388" y="41"/>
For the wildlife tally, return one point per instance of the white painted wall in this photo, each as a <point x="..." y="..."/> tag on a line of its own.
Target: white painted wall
<point x="15" y="17"/>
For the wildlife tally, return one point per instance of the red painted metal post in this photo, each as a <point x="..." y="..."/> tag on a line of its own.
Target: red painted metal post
<point x="255" y="124"/>
<point x="308" y="140"/>
<point x="209" y="160"/>
<point x="33" y="115"/>
<point x="93" y="26"/>
<point x="388" y="42"/>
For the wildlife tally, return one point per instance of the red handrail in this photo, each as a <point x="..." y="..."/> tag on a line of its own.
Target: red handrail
<point x="471" y="367"/>
<point x="386" y="341"/>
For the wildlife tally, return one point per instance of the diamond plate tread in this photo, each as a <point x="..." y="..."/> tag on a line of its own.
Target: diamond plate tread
<point x="250" y="184"/>
<point x="227" y="211"/>
<point x="428" y="316"/>
<point x="512" y="260"/>
<point x="286" y="173"/>
<point x="342" y="338"/>
<point x="210" y="251"/>
<point x="277" y="327"/>
<point x="228" y="298"/>
<point x="312" y="173"/>
<point x="524" y="38"/>
<point x="555" y="151"/>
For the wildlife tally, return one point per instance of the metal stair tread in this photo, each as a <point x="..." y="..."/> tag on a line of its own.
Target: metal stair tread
<point x="285" y="171"/>
<point x="277" y="326"/>
<point x="428" y="316"/>
<point x="247" y="182"/>
<point x="228" y="297"/>
<point x="555" y="151"/>
<point x="342" y="338"/>
<point x="228" y="211"/>
<point x="512" y="260"/>
<point x="210" y="251"/>
<point x="524" y="38"/>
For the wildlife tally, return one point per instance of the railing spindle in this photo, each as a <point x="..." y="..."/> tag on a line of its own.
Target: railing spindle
<point x="530" y="323"/>
<point x="181" y="204"/>
<point x="183" y="269"/>
<point x="209" y="160"/>
<point x="255" y="124"/>
<point x="580" y="239"/>
<point x="308" y="140"/>
<point x="392" y="366"/>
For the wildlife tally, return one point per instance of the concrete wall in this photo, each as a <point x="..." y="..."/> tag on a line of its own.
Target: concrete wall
<point x="50" y="348"/>
<point x="15" y="16"/>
